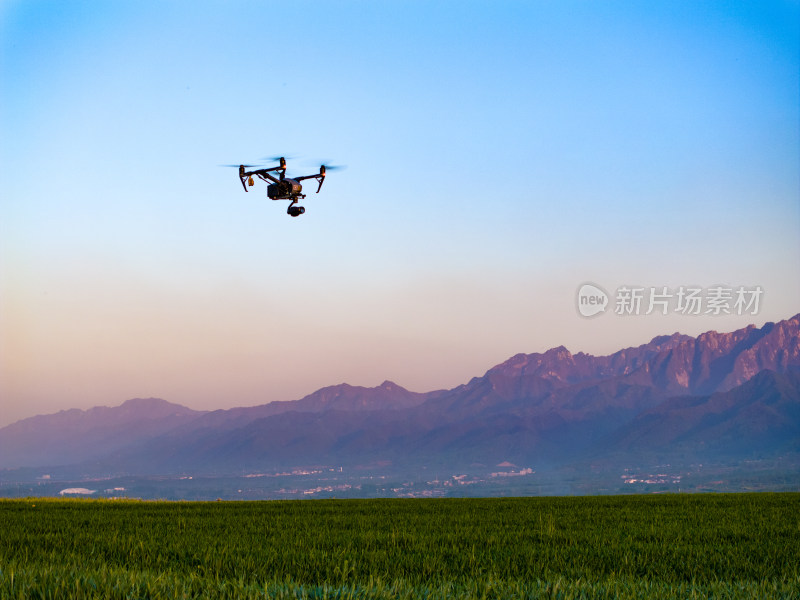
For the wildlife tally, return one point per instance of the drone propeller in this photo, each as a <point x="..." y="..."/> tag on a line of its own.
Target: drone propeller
<point x="323" y="169"/>
<point x="237" y="166"/>
<point x="324" y="166"/>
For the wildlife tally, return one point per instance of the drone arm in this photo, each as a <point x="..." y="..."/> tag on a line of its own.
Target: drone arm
<point x="319" y="178"/>
<point x="266" y="177"/>
<point x="263" y="174"/>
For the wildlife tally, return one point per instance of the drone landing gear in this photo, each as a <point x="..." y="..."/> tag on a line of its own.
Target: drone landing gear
<point x="295" y="211"/>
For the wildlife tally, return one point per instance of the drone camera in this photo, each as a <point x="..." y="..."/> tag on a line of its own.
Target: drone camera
<point x="296" y="211"/>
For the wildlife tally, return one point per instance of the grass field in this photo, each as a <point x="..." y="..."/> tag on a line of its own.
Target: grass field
<point x="720" y="546"/>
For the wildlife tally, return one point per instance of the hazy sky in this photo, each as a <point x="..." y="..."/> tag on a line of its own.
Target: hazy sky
<point x="500" y="155"/>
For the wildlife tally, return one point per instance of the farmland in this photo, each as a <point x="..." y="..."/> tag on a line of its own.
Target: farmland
<point x="677" y="545"/>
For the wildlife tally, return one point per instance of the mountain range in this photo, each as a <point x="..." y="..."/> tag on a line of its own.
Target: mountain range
<point x="718" y="395"/>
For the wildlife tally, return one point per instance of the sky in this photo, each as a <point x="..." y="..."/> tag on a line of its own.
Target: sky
<point x="499" y="155"/>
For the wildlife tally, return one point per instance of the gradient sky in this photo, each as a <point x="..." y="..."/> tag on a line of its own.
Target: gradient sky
<point x="500" y="154"/>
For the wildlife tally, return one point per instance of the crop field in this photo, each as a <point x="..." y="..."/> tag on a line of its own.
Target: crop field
<point x="660" y="546"/>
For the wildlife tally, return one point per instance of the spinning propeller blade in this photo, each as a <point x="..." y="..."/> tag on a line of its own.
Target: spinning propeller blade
<point x="327" y="166"/>
<point x="285" y="157"/>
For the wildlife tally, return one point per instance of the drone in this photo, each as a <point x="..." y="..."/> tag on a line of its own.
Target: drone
<point x="281" y="187"/>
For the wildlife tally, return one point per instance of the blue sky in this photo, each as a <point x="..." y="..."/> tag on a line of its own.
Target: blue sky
<point x="499" y="155"/>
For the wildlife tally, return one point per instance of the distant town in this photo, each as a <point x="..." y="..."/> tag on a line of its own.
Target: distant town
<point x="335" y="481"/>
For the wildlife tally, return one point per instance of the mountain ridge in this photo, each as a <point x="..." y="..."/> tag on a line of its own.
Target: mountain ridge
<point x="553" y="405"/>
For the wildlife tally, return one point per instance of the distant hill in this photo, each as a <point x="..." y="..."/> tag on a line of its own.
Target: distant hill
<point x="720" y="394"/>
<point x="73" y="436"/>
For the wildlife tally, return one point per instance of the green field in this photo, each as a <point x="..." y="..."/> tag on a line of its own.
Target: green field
<point x="720" y="546"/>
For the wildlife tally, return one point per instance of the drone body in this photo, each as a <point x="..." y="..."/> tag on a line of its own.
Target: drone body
<point x="281" y="187"/>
